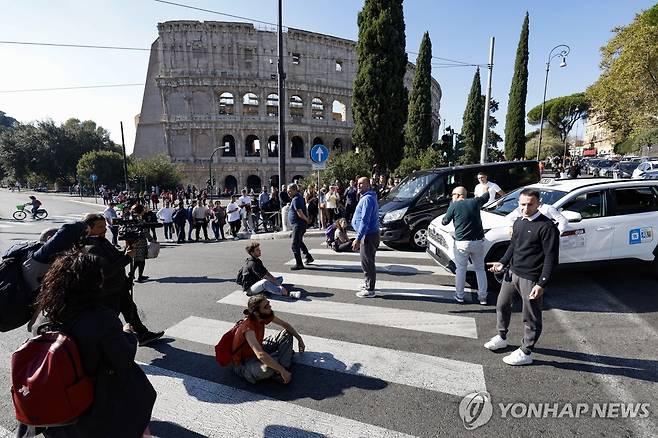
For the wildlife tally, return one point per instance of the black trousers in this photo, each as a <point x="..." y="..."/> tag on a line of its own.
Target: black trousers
<point x="298" y="245"/>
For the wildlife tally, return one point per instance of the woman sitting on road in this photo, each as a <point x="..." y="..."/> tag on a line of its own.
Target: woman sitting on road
<point x="342" y="243"/>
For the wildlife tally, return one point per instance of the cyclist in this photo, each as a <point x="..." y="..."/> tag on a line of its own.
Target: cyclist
<point x="35" y="203"/>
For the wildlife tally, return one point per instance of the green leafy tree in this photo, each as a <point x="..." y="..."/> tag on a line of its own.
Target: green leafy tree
<point x="515" y="121"/>
<point x="7" y="122"/>
<point x="346" y="166"/>
<point x="418" y="133"/>
<point x="561" y="114"/>
<point x="106" y="165"/>
<point x="551" y="145"/>
<point x="379" y="100"/>
<point x="156" y="171"/>
<point x="626" y="93"/>
<point x="472" y="123"/>
<point x="430" y="158"/>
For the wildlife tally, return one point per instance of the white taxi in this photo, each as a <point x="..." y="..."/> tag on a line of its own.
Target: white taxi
<point x="608" y="220"/>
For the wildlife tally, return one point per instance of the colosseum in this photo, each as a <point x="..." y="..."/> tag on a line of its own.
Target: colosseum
<point x="212" y="87"/>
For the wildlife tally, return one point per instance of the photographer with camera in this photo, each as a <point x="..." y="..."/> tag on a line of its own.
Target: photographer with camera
<point x="116" y="286"/>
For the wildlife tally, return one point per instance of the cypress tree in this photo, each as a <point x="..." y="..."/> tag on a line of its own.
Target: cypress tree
<point x="472" y="123"/>
<point x="418" y="133"/>
<point x="515" y="121"/>
<point x="379" y="100"/>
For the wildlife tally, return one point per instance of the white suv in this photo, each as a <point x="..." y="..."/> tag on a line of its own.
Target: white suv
<point x="608" y="220"/>
<point x="644" y="167"/>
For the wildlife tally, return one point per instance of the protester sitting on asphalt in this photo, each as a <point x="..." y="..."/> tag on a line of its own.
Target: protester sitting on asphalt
<point x="342" y="243"/>
<point x="256" y="278"/>
<point x="259" y="358"/>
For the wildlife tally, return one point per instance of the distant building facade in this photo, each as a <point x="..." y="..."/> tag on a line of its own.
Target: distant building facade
<point x="214" y="85"/>
<point x="598" y="135"/>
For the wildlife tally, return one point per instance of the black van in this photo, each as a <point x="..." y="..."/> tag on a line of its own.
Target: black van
<point x="405" y="213"/>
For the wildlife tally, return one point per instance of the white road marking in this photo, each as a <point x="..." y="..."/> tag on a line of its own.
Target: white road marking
<point x="383" y="287"/>
<point x="384" y="268"/>
<point x="405" y="368"/>
<point x="11" y="223"/>
<point x="6" y="433"/>
<point x="452" y="325"/>
<point x="380" y="254"/>
<point x="214" y="410"/>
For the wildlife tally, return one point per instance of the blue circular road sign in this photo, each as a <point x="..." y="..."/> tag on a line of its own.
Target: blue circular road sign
<point x="319" y="153"/>
<point x="93" y="177"/>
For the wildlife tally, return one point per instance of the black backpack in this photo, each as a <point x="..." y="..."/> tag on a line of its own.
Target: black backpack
<point x="239" y="279"/>
<point x="16" y="299"/>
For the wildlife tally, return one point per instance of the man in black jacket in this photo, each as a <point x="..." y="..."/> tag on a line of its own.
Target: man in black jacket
<point x="116" y="285"/>
<point x="531" y="256"/>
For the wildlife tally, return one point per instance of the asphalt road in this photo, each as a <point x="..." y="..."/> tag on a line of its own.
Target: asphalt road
<point x="395" y="365"/>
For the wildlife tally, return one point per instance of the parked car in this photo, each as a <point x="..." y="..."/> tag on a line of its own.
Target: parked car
<point x="591" y="164"/>
<point x="407" y="210"/>
<point x="609" y="220"/>
<point x="643" y="167"/>
<point x="601" y="165"/>
<point x="622" y="170"/>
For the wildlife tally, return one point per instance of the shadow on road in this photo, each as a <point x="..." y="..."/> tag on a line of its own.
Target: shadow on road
<point x="201" y="280"/>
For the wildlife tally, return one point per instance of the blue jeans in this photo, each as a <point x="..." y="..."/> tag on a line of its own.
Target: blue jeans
<point x="267" y="286"/>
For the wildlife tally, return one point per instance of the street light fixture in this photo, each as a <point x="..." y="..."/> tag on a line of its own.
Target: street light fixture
<point x="563" y="52"/>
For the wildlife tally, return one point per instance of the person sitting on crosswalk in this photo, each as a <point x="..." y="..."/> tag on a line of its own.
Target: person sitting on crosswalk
<point x="258" y="358"/>
<point x="256" y="278"/>
<point x="342" y="243"/>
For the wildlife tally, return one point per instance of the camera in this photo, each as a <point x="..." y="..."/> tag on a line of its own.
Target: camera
<point x="131" y="229"/>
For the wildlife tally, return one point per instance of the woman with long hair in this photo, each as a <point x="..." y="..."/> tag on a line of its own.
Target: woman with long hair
<point x="70" y="299"/>
<point x="342" y="243"/>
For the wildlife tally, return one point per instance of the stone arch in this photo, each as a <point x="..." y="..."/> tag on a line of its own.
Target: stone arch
<point x="318" y="140"/>
<point x="226" y="104"/>
<point x="296" y="106"/>
<point x="337" y="144"/>
<point x="253" y="183"/>
<point x="274" y="181"/>
<point x="272" y="105"/>
<point x="273" y="151"/>
<point x="231" y="183"/>
<point x="317" y="108"/>
<point x="252" y="146"/>
<point x="228" y="142"/>
<point x="250" y="104"/>
<point x="297" y="147"/>
<point x="297" y="178"/>
<point x="338" y="111"/>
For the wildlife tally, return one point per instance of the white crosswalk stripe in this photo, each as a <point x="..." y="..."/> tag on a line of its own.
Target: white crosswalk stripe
<point x="387" y="254"/>
<point x="6" y="433"/>
<point x="214" y="410"/>
<point x="405" y="368"/>
<point x="462" y="326"/>
<point x="383" y="267"/>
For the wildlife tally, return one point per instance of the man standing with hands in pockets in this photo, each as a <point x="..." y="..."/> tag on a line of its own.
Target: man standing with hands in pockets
<point x="531" y="257"/>
<point x="366" y="224"/>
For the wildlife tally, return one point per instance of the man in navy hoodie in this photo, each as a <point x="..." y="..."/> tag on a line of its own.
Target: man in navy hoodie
<point x="366" y="224"/>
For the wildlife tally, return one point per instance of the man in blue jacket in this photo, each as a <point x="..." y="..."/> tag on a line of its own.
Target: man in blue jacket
<point x="366" y="224"/>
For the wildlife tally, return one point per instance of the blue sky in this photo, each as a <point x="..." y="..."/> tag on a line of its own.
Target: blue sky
<point x="459" y="30"/>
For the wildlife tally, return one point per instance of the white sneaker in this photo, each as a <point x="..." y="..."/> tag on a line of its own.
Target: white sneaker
<point x="518" y="357"/>
<point x="459" y="300"/>
<point x="496" y="343"/>
<point x="365" y="293"/>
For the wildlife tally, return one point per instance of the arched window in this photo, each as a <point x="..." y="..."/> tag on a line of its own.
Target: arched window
<point x="226" y="104"/>
<point x="252" y="146"/>
<point x="297" y="147"/>
<point x="253" y="183"/>
<point x="338" y="111"/>
<point x="296" y="107"/>
<point x="273" y="105"/>
<point x="231" y="184"/>
<point x="318" y="140"/>
<point x="274" y="181"/>
<point x="338" y="144"/>
<point x="317" y="108"/>
<point x="273" y="146"/>
<point x="250" y="104"/>
<point x="229" y="146"/>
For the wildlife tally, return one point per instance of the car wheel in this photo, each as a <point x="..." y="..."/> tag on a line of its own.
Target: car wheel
<point x="418" y="240"/>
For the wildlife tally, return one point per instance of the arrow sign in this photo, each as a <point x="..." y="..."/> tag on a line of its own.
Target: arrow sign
<point x="319" y="153"/>
<point x="93" y="177"/>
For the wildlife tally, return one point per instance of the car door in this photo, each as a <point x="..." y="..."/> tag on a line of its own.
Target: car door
<point x="635" y="217"/>
<point x="592" y="237"/>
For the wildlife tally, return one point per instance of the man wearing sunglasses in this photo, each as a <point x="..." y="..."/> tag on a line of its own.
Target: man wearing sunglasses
<point x="469" y="240"/>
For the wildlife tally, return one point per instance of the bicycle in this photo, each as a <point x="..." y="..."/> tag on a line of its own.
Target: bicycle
<point x="20" y="213"/>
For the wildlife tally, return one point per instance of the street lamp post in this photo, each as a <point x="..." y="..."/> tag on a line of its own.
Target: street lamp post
<point x="564" y="51"/>
<point x="210" y="184"/>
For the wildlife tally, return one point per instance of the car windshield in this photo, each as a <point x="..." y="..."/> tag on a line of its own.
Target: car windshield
<point x="606" y="163"/>
<point x="410" y="187"/>
<point x="627" y="167"/>
<point x="509" y="202"/>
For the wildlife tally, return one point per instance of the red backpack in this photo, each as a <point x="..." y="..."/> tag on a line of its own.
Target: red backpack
<point x="224" y="349"/>
<point x="49" y="385"/>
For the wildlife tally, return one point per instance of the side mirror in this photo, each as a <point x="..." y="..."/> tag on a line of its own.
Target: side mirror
<point x="572" y="216"/>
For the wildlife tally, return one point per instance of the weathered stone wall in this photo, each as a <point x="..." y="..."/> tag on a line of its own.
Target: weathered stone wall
<point x="213" y="85"/>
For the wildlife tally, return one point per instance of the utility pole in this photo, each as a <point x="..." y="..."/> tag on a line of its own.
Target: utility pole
<point x="282" y="104"/>
<point x="125" y="160"/>
<point x="487" y="104"/>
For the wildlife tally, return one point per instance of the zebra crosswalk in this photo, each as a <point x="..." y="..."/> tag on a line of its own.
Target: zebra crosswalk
<point x="218" y="407"/>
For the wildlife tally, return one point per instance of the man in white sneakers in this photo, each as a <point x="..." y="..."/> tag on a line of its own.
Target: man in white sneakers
<point x="531" y="257"/>
<point x="487" y="186"/>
